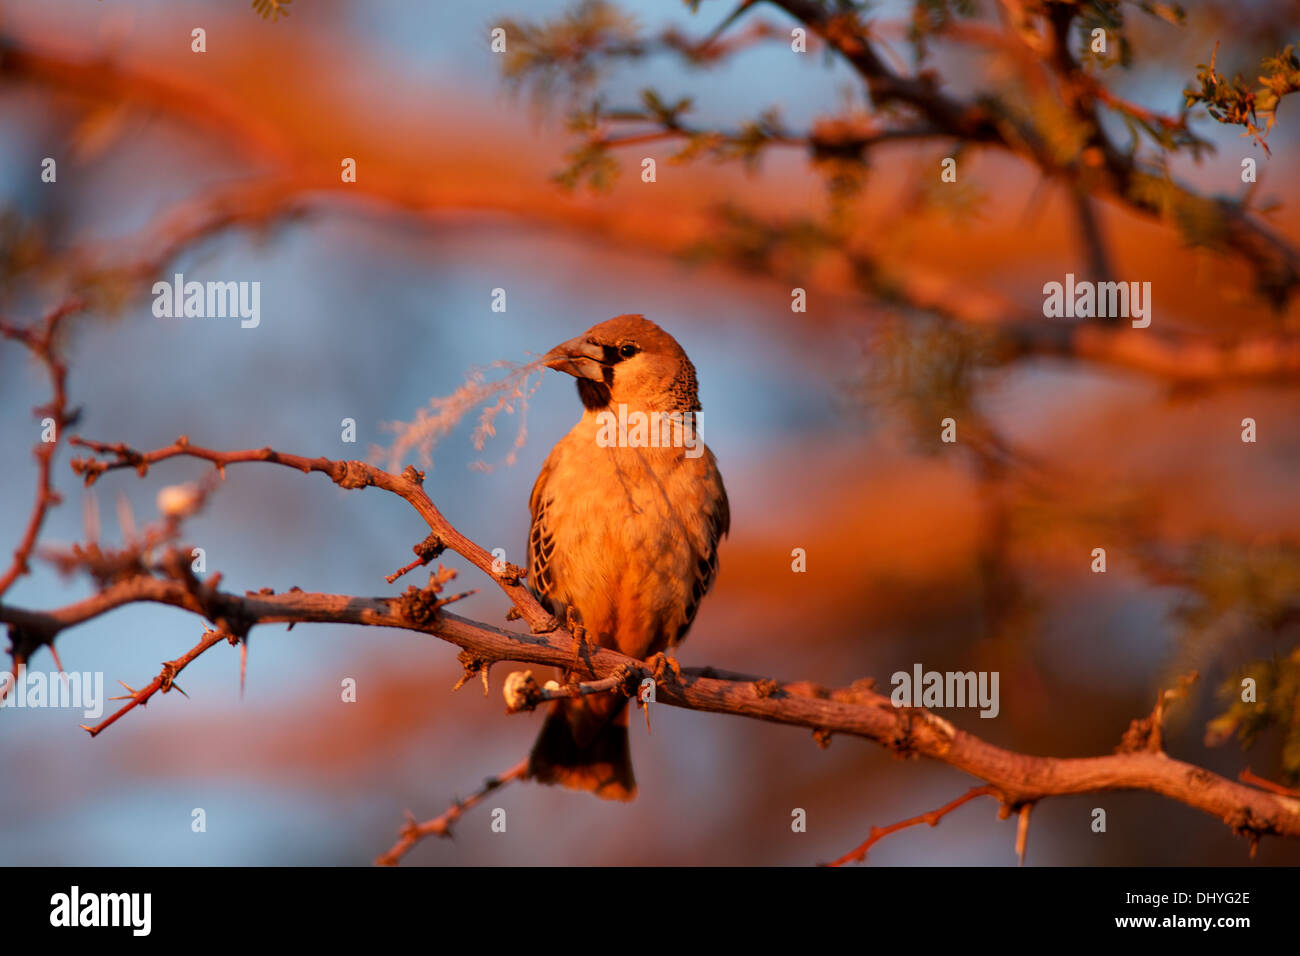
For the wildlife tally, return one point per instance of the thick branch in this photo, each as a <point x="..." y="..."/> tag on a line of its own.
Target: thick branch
<point x="1015" y="778"/>
<point x="1176" y="357"/>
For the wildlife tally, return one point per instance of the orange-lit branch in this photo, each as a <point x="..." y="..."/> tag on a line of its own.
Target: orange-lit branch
<point x="1015" y="779"/>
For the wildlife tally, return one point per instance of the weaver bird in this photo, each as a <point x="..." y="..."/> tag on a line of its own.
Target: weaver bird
<point x="624" y="538"/>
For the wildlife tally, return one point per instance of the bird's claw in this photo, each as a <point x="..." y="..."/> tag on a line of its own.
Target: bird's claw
<point x="580" y="648"/>
<point x="662" y="663"/>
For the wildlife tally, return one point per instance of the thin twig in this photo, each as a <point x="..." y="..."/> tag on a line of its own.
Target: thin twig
<point x="164" y="682"/>
<point x="1255" y="780"/>
<point x="413" y="832"/>
<point x="859" y="854"/>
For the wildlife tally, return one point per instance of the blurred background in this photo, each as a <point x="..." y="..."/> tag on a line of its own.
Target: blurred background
<point x="377" y="297"/>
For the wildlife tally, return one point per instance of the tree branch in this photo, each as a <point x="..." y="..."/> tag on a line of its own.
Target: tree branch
<point x="412" y="832"/>
<point x="859" y="854"/>
<point x="40" y="342"/>
<point x="1015" y="779"/>
<point x="291" y="189"/>
<point x="1108" y="170"/>
<point x="346" y="474"/>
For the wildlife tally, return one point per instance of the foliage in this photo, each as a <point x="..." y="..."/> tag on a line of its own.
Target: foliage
<point x="271" y="9"/>
<point x="1277" y="686"/>
<point x="1238" y="598"/>
<point x="1236" y="102"/>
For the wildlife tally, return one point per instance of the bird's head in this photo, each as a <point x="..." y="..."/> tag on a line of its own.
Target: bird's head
<point x="628" y="360"/>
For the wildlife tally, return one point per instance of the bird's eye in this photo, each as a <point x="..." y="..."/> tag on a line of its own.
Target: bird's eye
<point x="628" y="350"/>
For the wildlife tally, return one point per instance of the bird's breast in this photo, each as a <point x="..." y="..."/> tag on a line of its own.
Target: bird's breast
<point x="629" y="525"/>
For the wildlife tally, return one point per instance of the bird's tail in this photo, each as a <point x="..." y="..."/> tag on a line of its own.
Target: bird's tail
<point x="583" y="746"/>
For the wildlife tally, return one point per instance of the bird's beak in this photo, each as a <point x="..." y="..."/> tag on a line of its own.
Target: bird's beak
<point x="578" y="357"/>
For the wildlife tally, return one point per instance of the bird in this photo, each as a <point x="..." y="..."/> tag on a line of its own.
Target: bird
<point x="624" y="534"/>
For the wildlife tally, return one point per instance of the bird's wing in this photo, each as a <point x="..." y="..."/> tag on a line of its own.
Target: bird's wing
<point x="541" y="542"/>
<point x="716" y="514"/>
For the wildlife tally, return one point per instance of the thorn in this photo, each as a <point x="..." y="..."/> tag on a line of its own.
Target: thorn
<point x="59" y="664"/>
<point x="125" y="519"/>
<point x="90" y="517"/>
<point x="1022" y="833"/>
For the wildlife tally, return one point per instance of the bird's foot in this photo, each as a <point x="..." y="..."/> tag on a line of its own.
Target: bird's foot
<point x="662" y="664"/>
<point x="581" y="651"/>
